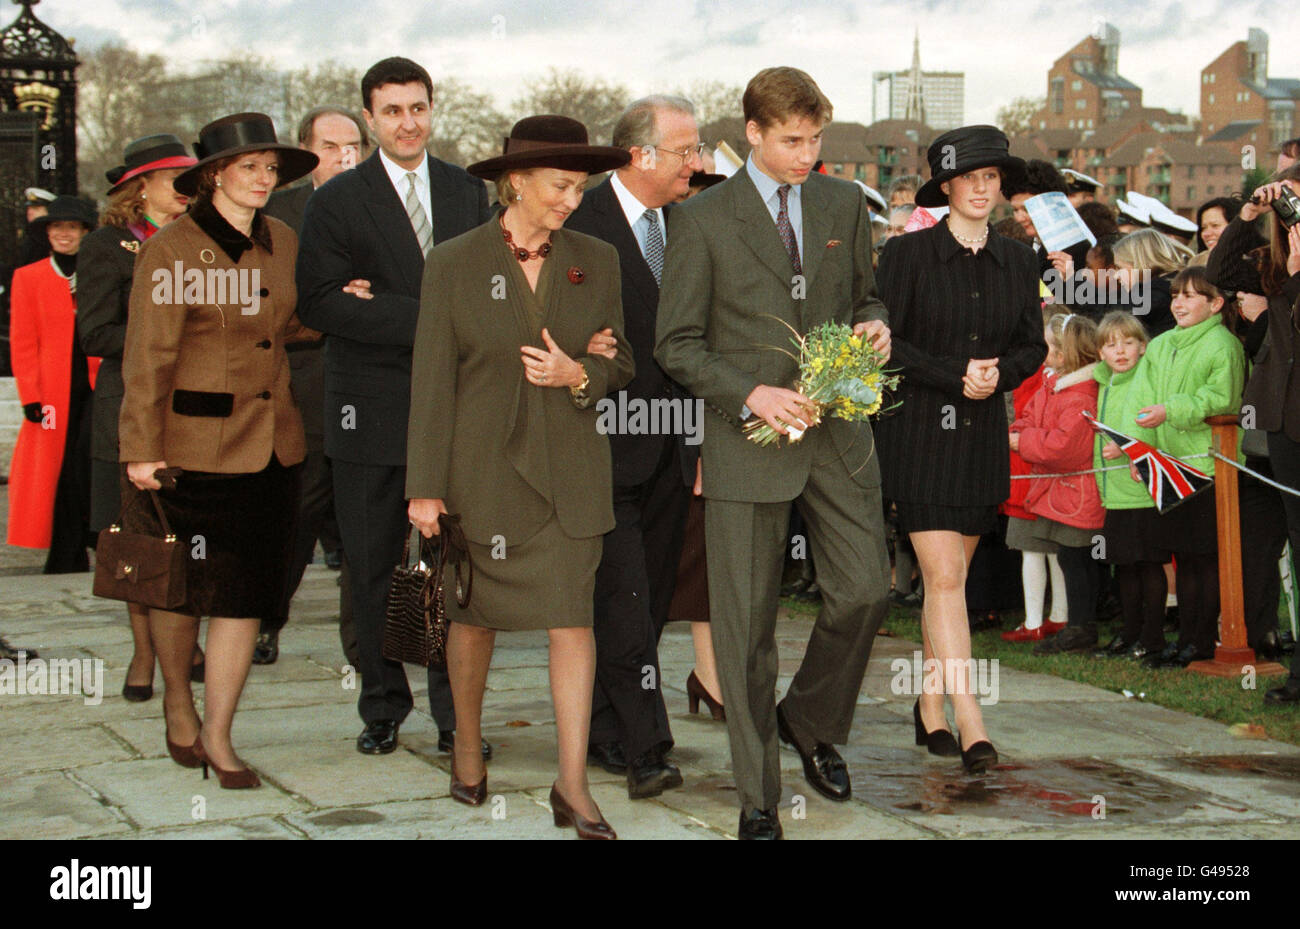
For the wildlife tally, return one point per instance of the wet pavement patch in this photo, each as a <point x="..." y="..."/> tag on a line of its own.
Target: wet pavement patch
<point x="1280" y="767"/>
<point x="1055" y="791"/>
<point x="347" y="818"/>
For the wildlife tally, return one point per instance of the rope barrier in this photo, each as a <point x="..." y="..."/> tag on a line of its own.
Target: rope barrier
<point x="1240" y="467"/>
<point x="1256" y="475"/>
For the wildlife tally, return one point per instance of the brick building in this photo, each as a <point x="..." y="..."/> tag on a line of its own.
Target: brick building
<point x="1084" y="87"/>
<point x="1240" y="103"/>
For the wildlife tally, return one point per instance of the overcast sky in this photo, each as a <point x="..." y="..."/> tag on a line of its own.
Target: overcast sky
<point x="1004" y="46"/>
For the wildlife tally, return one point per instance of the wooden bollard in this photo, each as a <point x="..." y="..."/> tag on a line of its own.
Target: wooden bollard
<point x="1233" y="656"/>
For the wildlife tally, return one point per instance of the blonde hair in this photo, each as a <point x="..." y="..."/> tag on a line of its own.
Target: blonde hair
<point x="506" y="192"/>
<point x="1121" y="324"/>
<point x="1076" y="339"/>
<point x="1151" y="250"/>
<point x="125" y="205"/>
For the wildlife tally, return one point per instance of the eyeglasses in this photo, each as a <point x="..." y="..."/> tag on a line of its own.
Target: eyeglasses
<point x="697" y="150"/>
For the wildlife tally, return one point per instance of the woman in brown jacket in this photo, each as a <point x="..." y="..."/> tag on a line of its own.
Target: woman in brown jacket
<point x="504" y="432"/>
<point x="207" y="392"/>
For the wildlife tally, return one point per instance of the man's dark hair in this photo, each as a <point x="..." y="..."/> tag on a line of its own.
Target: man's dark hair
<point x="1041" y="177"/>
<point x="393" y="71"/>
<point x="1291" y="148"/>
<point x="307" y="125"/>
<point x="1099" y="218"/>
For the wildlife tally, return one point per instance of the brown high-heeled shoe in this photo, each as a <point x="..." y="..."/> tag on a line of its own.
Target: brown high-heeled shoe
<point x="468" y="794"/>
<point x="697" y="692"/>
<point x="230" y="780"/>
<point x="186" y="756"/>
<point x="565" y="815"/>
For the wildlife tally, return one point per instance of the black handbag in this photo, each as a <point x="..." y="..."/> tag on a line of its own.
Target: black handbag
<point x="415" y="627"/>
<point x="140" y="568"/>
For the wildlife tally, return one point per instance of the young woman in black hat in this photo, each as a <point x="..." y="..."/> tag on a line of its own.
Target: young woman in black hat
<point x="965" y="315"/>
<point x="141" y="200"/>
<point x="49" y="482"/>
<point x="207" y="391"/>
<point x="503" y="433"/>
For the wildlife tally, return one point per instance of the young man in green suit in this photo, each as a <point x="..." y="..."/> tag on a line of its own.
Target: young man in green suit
<point x="777" y="248"/>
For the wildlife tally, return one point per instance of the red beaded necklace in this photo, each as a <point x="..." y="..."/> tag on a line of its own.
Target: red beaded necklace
<point x="519" y="251"/>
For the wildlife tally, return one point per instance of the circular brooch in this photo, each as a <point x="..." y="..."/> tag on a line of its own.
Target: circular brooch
<point x="576" y="275"/>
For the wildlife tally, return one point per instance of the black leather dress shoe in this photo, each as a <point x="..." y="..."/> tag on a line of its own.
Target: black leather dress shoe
<point x="267" y="649"/>
<point x="1070" y="639"/>
<point x="759" y="824"/>
<point x="1288" y="693"/>
<point x="1161" y="658"/>
<point x="447" y="741"/>
<point x="378" y="738"/>
<point x="1138" y="652"/>
<point x="334" y="560"/>
<point x="650" y="775"/>
<point x="1286" y="639"/>
<point x="823" y="767"/>
<point x="1269" y="646"/>
<point x="609" y="755"/>
<point x="1186" y="656"/>
<point x="1114" y="648"/>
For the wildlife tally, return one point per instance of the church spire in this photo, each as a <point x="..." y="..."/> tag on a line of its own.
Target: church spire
<point x="915" y="108"/>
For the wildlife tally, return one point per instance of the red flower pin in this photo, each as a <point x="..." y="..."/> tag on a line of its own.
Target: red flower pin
<point x="832" y="243"/>
<point x="576" y="275"/>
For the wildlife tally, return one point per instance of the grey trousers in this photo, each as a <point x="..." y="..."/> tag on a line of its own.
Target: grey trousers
<point x="746" y="550"/>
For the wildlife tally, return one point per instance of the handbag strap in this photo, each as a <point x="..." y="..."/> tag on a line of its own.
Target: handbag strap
<point x="157" y="506"/>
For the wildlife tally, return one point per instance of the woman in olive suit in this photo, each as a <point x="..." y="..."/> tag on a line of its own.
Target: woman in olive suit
<point x="503" y="433"/>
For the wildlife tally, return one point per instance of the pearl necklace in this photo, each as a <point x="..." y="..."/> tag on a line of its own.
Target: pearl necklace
<point x="978" y="240"/>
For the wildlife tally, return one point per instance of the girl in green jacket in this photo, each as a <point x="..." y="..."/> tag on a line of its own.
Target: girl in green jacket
<point x="1193" y="371"/>
<point x="1130" y="512"/>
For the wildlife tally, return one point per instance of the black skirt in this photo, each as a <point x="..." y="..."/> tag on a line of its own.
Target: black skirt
<point x="1190" y="528"/>
<point x="239" y="531"/>
<point x="926" y="517"/>
<point x="691" y="595"/>
<point x="1130" y="537"/>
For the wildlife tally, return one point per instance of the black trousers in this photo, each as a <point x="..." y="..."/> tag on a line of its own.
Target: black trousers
<point x="370" y="501"/>
<point x="1082" y="581"/>
<point x="1263" y="537"/>
<point x="634" y="587"/>
<point x="70" y="538"/>
<point x="315" y="521"/>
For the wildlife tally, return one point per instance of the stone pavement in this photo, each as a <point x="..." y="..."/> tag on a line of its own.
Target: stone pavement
<point x="71" y="769"/>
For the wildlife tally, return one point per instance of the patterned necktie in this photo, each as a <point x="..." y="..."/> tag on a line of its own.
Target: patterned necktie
<point x="419" y="221"/>
<point x="786" y="230"/>
<point x="654" y="245"/>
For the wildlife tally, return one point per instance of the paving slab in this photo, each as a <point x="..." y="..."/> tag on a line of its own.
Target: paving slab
<point x="52" y="805"/>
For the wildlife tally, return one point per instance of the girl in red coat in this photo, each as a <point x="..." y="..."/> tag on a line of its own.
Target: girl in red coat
<point x="49" y="482"/>
<point x="1055" y="438"/>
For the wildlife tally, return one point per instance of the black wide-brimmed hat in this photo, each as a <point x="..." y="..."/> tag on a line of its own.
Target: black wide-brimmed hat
<point x="550" y="142"/>
<point x="151" y="153"/>
<point x="65" y="209"/>
<point x="966" y="149"/>
<point x="237" y="135"/>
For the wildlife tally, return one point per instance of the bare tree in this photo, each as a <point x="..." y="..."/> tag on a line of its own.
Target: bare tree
<point x="466" y="126"/>
<point x="591" y="101"/>
<point x="714" y="100"/>
<point x="328" y="83"/>
<point x="112" y="108"/>
<point x="1017" y="117"/>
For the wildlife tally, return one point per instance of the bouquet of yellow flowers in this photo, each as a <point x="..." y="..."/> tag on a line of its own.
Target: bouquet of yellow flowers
<point x="840" y="373"/>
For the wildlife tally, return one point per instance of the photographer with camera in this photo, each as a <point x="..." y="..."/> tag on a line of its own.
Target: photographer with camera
<point x="1273" y="392"/>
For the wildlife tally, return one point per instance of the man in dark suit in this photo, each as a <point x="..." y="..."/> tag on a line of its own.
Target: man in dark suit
<point x="778" y="247"/>
<point x="335" y="136"/>
<point x="634" y="583"/>
<point x="364" y="238"/>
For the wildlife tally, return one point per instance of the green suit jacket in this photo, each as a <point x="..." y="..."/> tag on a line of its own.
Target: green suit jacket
<point x="727" y="306"/>
<point x="504" y="455"/>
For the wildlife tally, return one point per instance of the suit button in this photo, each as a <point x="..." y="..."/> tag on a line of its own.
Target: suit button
<point x="264" y="292"/>
<point x="974" y="294"/>
<point x="965" y="422"/>
<point x="265" y="395"/>
<point x="974" y="336"/>
<point x="265" y="343"/>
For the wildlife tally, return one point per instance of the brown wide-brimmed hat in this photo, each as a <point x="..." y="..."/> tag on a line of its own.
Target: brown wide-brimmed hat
<point x="237" y="135"/>
<point x="550" y="142"/>
<point x="967" y="149"/>
<point x="151" y="153"/>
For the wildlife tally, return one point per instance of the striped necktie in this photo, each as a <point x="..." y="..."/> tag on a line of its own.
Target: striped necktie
<point x="654" y="245"/>
<point x="786" y="230"/>
<point x="419" y="221"/>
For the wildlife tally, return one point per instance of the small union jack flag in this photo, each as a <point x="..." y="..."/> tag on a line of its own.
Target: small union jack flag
<point x="1169" y="480"/>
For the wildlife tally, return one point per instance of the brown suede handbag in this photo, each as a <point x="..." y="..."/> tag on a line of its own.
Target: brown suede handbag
<point x="415" y="628"/>
<point x="141" y="568"/>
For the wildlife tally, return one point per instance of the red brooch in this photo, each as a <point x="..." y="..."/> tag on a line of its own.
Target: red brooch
<point x="832" y="243"/>
<point x="576" y="275"/>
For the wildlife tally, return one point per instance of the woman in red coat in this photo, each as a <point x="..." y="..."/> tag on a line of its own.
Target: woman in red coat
<point x="49" y="482"/>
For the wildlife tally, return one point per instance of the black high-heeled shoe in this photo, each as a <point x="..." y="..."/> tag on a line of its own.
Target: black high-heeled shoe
<point x="696" y="692"/>
<point x="979" y="757"/>
<point x="940" y="742"/>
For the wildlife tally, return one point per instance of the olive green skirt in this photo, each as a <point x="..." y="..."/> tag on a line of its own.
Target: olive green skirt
<point x="547" y="582"/>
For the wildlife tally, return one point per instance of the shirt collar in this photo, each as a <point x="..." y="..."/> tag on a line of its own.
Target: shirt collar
<point x="397" y="174"/>
<point x="633" y="208"/>
<point x="947" y="245"/>
<point x="767" y="186"/>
